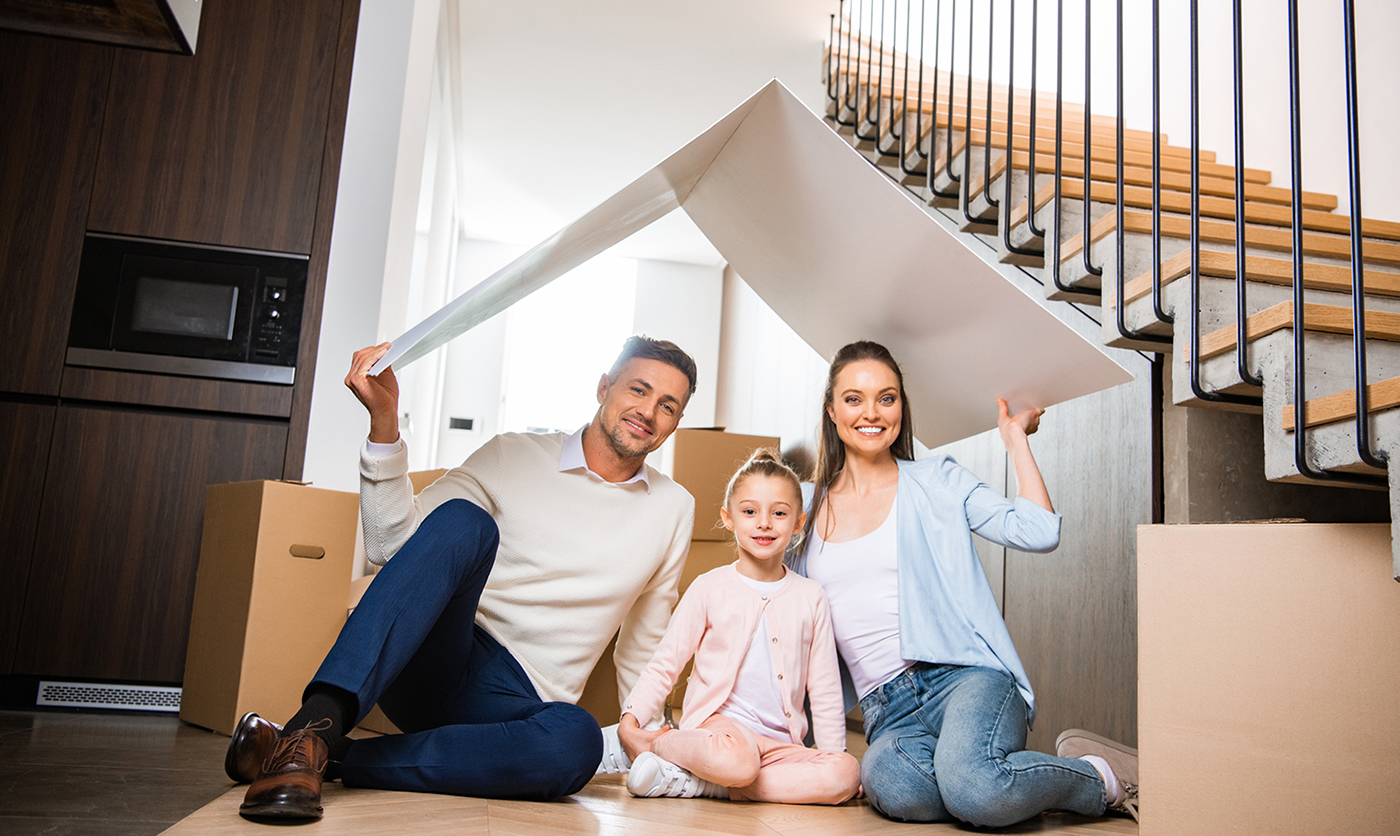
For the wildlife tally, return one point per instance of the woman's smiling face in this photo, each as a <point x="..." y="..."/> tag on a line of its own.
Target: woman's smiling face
<point x="865" y="407"/>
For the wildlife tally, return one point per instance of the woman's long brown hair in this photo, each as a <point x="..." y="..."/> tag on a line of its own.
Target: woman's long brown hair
<point x="831" y="451"/>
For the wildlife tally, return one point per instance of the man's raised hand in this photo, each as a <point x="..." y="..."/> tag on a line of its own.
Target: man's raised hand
<point x="379" y="393"/>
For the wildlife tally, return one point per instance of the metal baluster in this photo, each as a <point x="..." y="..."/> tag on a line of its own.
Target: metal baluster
<point x="1010" y="149"/>
<point x="851" y="84"/>
<point x="1157" y="310"/>
<point x="987" y="134"/>
<point x="1035" y="108"/>
<point x="864" y="121"/>
<point x="1375" y="458"/>
<point x="899" y="136"/>
<point x="965" y="192"/>
<point x="1088" y="141"/>
<point x="933" y="130"/>
<point x="1120" y="279"/>
<point x="1241" y="310"/>
<point x="832" y="53"/>
<point x="952" y="62"/>
<point x="1060" y="151"/>
<point x="880" y="85"/>
<point x="1194" y="281"/>
<point x="918" y="149"/>
<point x="879" y="90"/>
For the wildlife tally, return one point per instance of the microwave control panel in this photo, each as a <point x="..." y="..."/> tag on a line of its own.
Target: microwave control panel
<point x="272" y="323"/>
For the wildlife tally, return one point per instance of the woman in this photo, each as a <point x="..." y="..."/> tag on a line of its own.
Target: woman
<point x="946" y="701"/>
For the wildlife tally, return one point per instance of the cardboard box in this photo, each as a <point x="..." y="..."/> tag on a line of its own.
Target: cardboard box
<point x="1267" y="672"/>
<point x="701" y="461"/>
<point x="269" y="600"/>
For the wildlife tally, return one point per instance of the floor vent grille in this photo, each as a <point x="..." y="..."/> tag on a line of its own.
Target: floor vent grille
<point x="89" y="695"/>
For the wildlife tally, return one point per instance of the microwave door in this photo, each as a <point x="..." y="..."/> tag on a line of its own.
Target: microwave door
<point x="184" y="308"/>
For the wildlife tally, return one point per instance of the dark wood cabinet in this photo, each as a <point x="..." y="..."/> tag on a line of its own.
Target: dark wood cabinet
<point x="53" y="94"/>
<point x="113" y="572"/>
<point x="225" y="146"/>
<point x="104" y="472"/>
<point x="25" y="432"/>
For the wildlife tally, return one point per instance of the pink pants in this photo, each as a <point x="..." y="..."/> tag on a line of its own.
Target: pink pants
<point x="759" y="768"/>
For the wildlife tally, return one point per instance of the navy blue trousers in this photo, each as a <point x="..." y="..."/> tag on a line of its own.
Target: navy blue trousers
<point x="473" y="723"/>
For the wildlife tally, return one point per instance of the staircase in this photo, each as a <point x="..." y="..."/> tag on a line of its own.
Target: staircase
<point x="1197" y="265"/>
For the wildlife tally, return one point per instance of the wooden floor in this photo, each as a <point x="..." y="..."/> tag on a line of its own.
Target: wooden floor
<point x="604" y="807"/>
<point x="101" y="774"/>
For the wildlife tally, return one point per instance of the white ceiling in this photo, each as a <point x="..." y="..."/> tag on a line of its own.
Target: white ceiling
<point x="573" y="101"/>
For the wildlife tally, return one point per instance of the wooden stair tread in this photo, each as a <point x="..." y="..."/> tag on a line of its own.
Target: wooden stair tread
<point x="979" y="88"/>
<point x="1171" y="180"/>
<point x="1021" y="128"/>
<point x="1341" y="406"/>
<point x="1327" y="319"/>
<point x="1218" y="207"/>
<point x="1278" y="271"/>
<point x="1223" y="232"/>
<point x="1108" y="155"/>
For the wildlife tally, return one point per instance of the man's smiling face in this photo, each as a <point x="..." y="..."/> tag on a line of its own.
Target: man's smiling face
<point x="641" y="406"/>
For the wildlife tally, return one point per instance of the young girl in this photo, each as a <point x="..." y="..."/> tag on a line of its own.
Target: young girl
<point x="762" y="641"/>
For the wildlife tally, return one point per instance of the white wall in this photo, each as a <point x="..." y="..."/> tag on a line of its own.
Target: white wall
<point x="771" y="381"/>
<point x="681" y="303"/>
<point x="384" y="135"/>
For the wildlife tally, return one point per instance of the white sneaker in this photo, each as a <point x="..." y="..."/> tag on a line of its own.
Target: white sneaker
<point x="614" y="756"/>
<point x="652" y="777"/>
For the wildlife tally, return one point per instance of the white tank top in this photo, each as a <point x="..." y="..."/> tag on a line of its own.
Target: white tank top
<point x="861" y="579"/>
<point x="755" y="700"/>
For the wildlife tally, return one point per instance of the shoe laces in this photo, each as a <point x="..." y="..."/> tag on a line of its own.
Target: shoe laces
<point x="288" y="746"/>
<point x="1128" y="803"/>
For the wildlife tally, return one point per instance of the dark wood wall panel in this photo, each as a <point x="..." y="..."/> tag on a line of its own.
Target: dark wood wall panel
<point x="1073" y="612"/>
<point x="25" y="433"/>
<point x="203" y="394"/>
<point x="114" y="563"/>
<point x="224" y="147"/>
<point x="52" y="95"/>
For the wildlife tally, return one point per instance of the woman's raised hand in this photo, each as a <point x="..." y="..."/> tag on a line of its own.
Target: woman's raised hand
<point x="1021" y="424"/>
<point x="379" y="393"/>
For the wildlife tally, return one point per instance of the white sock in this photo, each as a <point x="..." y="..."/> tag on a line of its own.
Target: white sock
<point x="709" y="789"/>
<point x="1110" y="781"/>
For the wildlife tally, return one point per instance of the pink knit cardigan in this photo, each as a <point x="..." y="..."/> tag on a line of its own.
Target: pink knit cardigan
<point x="715" y="622"/>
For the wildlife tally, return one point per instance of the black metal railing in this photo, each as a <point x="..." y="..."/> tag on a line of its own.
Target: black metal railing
<point x="1120" y="305"/>
<point x="864" y="76"/>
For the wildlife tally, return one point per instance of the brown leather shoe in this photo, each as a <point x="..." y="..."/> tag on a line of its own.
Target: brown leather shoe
<point x="289" y="784"/>
<point x="251" y="745"/>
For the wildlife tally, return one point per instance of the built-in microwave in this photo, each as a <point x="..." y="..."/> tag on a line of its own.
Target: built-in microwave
<point x="187" y="309"/>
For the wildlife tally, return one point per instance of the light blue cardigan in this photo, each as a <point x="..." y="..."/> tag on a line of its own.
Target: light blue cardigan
<point x="947" y="613"/>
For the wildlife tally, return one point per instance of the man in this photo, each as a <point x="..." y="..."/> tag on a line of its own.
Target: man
<point x="508" y="578"/>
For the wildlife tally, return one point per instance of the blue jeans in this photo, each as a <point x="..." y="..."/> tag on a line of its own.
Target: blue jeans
<point x="947" y="743"/>
<point x="473" y="723"/>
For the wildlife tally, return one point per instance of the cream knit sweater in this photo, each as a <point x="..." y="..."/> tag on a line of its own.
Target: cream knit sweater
<point x="579" y="558"/>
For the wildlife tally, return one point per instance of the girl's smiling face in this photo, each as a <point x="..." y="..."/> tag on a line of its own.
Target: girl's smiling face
<point x="866" y="407"/>
<point x="763" y="513"/>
